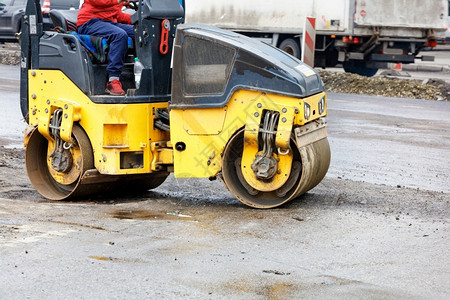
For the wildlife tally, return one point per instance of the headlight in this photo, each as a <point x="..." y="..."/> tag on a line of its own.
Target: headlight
<point x="307" y="109"/>
<point x="322" y="105"/>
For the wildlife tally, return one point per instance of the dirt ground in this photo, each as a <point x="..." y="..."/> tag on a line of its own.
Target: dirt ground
<point x="344" y="239"/>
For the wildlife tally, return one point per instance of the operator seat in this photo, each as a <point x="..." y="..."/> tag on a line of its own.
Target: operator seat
<point x="66" y="19"/>
<point x="97" y="51"/>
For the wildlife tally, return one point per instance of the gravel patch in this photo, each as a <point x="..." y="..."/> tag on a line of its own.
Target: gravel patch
<point x="10" y="54"/>
<point x="432" y="89"/>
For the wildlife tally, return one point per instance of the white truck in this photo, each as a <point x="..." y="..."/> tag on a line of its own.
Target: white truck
<point x="362" y="35"/>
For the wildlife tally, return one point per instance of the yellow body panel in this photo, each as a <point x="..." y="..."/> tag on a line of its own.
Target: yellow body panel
<point x="214" y="118"/>
<point x="111" y="128"/>
<point x="202" y="156"/>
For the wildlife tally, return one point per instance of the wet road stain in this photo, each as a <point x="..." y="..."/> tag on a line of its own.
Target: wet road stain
<point x="101" y="258"/>
<point x="117" y="259"/>
<point x="278" y="290"/>
<point x="131" y="214"/>
<point x="334" y="280"/>
<point x="276" y="272"/>
<point x="273" y="290"/>
<point x="298" y="218"/>
<point x="78" y="224"/>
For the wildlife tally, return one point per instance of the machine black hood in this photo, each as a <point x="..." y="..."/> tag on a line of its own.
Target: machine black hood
<point x="251" y="65"/>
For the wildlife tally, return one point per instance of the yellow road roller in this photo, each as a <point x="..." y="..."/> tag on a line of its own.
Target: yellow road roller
<point x="213" y="104"/>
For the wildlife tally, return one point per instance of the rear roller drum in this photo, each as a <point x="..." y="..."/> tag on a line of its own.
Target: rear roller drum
<point x="309" y="166"/>
<point x="56" y="175"/>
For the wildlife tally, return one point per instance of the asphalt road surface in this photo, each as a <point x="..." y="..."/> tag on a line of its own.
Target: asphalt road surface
<point x="376" y="227"/>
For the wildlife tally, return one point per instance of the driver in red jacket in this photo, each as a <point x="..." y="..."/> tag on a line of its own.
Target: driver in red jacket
<point x="105" y="18"/>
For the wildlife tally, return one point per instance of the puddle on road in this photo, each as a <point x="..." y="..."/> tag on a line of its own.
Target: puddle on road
<point x="132" y="214"/>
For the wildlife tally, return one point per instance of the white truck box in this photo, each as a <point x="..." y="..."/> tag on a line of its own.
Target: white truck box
<point x="284" y="16"/>
<point x="399" y="27"/>
<point x="288" y="16"/>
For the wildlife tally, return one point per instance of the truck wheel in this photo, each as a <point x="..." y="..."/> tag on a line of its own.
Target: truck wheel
<point x="360" y="68"/>
<point x="291" y="47"/>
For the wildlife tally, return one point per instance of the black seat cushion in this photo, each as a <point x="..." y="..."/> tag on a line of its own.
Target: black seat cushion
<point x="66" y="19"/>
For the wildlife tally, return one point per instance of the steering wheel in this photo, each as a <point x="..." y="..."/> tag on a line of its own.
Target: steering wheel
<point x="132" y="4"/>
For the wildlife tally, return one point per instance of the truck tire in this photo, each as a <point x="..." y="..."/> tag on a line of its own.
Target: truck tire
<point x="291" y="47"/>
<point x="360" y="68"/>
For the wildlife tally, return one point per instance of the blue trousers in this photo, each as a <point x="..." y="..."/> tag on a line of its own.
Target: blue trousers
<point x="117" y="36"/>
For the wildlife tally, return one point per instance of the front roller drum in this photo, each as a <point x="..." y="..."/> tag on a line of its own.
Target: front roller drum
<point x="309" y="166"/>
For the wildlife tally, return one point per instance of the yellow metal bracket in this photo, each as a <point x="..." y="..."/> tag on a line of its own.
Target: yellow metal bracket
<point x="162" y="155"/>
<point x="71" y="114"/>
<point x="284" y="156"/>
<point x="284" y="129"/>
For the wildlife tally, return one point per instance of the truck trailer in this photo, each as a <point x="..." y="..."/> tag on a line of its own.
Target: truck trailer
<point x="360" y="35"/>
